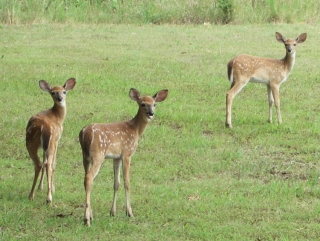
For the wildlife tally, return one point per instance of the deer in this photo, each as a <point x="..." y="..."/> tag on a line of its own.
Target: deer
<point x="43" y="131"/>
<point x="272" y="72"/>
<point x="117" y="141"/>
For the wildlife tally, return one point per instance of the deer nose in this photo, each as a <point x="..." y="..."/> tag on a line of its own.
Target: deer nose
<point x="59" y="98"/>
<point x="150" y="113"/>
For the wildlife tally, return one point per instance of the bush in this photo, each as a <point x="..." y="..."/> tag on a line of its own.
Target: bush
<point x="158" y="11"/>
<point x="225" y="11"/>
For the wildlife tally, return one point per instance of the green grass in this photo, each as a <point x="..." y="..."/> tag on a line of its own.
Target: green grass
<point x="191" y="178"/>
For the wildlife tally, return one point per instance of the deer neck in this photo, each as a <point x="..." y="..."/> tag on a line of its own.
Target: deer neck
<point x="59" y="111"/>
<point x="139" y="123"/>
<point x="289" y="60"/>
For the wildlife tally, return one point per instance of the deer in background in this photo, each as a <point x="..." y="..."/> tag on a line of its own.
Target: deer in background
<point x="44" y="131"/>
<point x="272" y="72"/>
<point x="117" y="141"/>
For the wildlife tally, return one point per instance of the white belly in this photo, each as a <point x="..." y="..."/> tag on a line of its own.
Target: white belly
<point x="112" y="156"/>
<point x="259" y="80"/>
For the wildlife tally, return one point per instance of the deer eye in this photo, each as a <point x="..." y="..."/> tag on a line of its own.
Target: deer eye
<point x="64" y="92"/>
<point x="294" y="44"/>
<point x="53" y="93"/>
<point x="154" y="104"/>
<point x="143" y="104"/>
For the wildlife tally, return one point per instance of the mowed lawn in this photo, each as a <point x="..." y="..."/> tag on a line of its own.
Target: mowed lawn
<point x="191" y="178"/>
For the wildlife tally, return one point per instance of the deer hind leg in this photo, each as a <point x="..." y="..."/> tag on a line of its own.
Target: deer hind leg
<point x="235" y="88"/>
<point x="37" y="168"/>
<point x="90" y="174"/>
<point x="126" y="177"/>
<point x="276" y="96"/>
<point x="271" y="101"/>
<point x="116" y="172"/>
<point x="88" y="212"/>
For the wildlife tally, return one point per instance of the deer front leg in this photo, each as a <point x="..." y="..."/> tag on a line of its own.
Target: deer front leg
<point x="276" y="96"/>
<point x="271" y="101"/>
<point x="126" y="177"/>
<point x="53" y="169"/>
<point x="40" y="187"/>
<point x="116" y="172"/>
<point x="49" y="177"/>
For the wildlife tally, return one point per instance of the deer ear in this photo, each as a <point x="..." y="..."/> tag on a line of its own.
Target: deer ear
<point x="301" y="38"/>
<point x="70" y="83"/>
<point x="134" y="94"/>
<point x="161" y="95"/>
<point x="44" y="85"/>
<point x="280" y="38"/>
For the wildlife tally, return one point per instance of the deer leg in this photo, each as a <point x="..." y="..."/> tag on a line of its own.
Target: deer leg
<point x="49" y="162"/>
<point x="116" y="171"/>
<point x="276" y="96"/>
<point x="271" y="101"/>
<point x="126" y="177"/>
<point x="40" y="187"/>
<point x="88" y="181"/>
<point x="234" y="90"/>
<point x="53" y="166"/>
<point x="53" y="169"/>
<point x="86" y="164"/>
<point x="88" y="211"/>
<point x="37" y="168"/>
<point x="229" y="99"/>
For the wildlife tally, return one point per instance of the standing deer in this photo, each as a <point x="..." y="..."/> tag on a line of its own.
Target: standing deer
<point x="44" y="131"/>
<point x="272" y="72"/>
<point x="117" y="141"/>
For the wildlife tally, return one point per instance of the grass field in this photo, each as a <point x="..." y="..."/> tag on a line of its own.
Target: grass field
<point x="191" y="178"/>
<point x="159" y="11"/>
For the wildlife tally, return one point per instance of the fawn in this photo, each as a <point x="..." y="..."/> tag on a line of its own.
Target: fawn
<point x="272" y="72"/>
<point x="117" y="141"/>
<point x="44" y="131"/>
